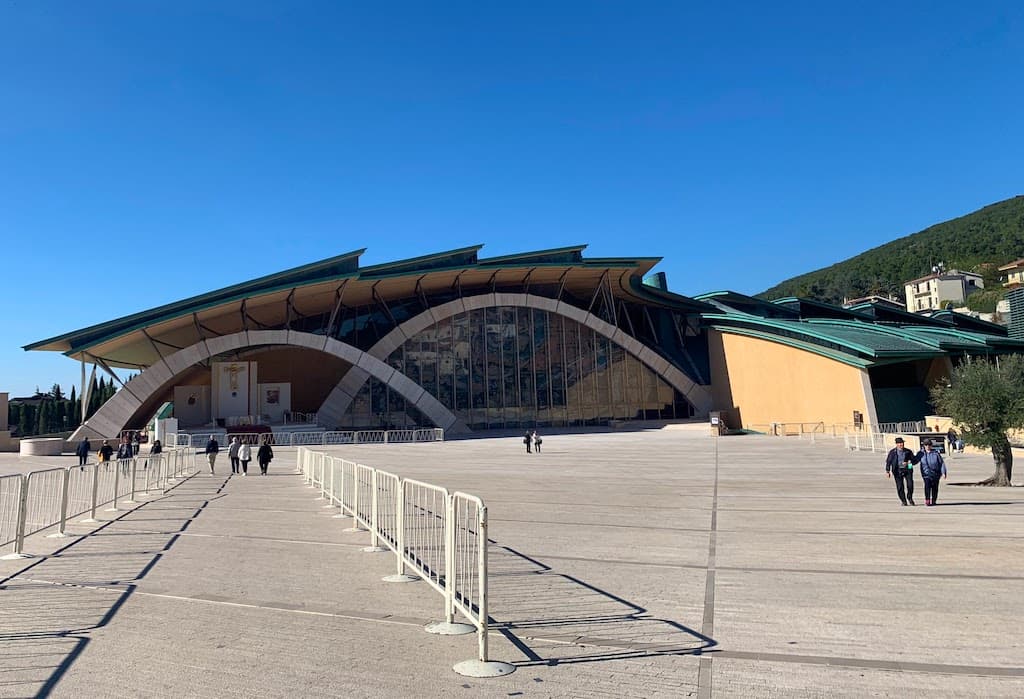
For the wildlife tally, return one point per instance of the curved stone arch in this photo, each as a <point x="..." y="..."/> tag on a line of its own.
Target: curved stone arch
<point x="113" y="415"/>
<point x="339" y="400"/>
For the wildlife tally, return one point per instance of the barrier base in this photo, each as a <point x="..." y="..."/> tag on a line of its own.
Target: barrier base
<point x="483" y="668"/>
<point x="111" y="509"/>
<point x="354" y="529"/>
<point x="56" y="535"/>
<point x="14" y="556"/>
<point x="374" y="549"/>
<point x="340" y="516"/>
<point x="449" y="628"/>
<point x="129" y="502"/>
<point x="88" y="520"/>
<point x="326" y="506"/>
<point x="400" y="578"/>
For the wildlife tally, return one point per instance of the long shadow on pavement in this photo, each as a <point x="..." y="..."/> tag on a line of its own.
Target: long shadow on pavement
<point x="554" y="618"/>
<point x="53" y="604"/>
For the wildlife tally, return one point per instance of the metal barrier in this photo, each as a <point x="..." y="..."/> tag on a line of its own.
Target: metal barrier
<point x="47" y="498"/>
<point x="870" y="441"/>
<point x="313" y="438"/>
<point x="11" y="490"/>
<point x="436" y="536"/>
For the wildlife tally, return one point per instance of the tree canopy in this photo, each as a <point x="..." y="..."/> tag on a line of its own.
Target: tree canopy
<point x="985" y="399"/>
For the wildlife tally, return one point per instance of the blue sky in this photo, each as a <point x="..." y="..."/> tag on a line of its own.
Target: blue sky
<point x="155" y="150"/>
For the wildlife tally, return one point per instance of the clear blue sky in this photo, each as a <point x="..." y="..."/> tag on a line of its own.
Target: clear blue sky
<point x="155" y="150"/>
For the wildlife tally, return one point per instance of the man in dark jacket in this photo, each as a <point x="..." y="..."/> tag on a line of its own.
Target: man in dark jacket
<point x="899" y="464"/>
<point x="82" y="451"/>
<point x="125" y="454"/>
<point x="264" y="456"/>
<point x="933" y="467"/>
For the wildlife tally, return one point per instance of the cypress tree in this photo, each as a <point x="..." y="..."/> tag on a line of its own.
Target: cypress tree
<point x="13" y="415"/>
<point x="43" y="417"/>
<point x="26" y="421"/>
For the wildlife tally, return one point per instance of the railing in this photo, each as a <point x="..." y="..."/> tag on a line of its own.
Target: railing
<point x="436" y="536"/>
<point x="814" y="430"/>
<point x="32" y="503"/>
<point x="317" y="438"/>
<point x="865" y="441"/>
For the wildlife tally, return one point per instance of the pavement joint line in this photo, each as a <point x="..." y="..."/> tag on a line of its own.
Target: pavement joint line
<point x="755" y="569"/>
<point x="274" y="539"/>
<point x="379" y="618"/>
<point x="705" y="676"/>
<point x="585" y="641"/>
<point x="758" y="530"/>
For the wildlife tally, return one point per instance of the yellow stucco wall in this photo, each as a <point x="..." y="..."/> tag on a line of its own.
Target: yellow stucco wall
<point x="759" y="382"/>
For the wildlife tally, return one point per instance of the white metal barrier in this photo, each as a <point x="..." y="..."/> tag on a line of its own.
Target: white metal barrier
<point x="47" y="498"/>
<point x="438" y="537"/>
<point x="313" y="438"/>
<point x="865" y="441"/>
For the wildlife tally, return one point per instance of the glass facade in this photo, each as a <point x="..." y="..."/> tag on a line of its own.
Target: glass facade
<point x="510" y="366"/>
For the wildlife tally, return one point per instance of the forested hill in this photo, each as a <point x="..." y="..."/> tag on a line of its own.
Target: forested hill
<point x="994" y="234"/>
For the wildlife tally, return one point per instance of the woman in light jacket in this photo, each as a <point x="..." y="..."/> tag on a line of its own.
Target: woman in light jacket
<point x="245" y="456"/>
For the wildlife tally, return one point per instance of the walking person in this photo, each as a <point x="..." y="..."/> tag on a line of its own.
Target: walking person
<point x="135" y="444"/>
<point x="245" y="456"/>
<point x="233" y="454"/>
<point x="105" y="452"/>
<point x="212" y="447"/>
<point x="157" y="448"/>
<point x="528" y="441"/>
<point x="125" y="454"/>
<point x="264" y="456"/>
<point x="933" y="467"/>
<point x="899" y="465"/>
<point x="82" y="451"/>
<point x="536" y="441"/>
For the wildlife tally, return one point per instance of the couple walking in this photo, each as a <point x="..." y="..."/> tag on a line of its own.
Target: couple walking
<point x="899" y="464"/>
<point x="240" y="455"/>
<point x="532" y="439"/>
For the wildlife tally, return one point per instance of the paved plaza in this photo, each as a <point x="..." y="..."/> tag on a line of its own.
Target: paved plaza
<point x="622" y="565"/>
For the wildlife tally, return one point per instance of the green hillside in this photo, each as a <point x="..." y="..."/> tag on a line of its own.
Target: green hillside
<point x="994" y="234"/>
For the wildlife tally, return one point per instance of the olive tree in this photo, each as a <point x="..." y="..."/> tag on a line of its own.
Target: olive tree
<point x="985" y="398"/>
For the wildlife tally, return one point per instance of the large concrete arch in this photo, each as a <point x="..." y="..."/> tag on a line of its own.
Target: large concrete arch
<point x="113" y="415"/>
<point x="339" y="400"/>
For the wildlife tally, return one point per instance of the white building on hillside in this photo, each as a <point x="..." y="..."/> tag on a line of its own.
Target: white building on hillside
<point x="930" y="293"/>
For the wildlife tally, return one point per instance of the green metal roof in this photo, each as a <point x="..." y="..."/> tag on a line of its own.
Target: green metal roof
<point x="346" y="266"/>
<point x="338" y="267"/>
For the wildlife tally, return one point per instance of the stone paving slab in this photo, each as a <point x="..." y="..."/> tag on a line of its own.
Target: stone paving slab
<point x="621" y="566"/>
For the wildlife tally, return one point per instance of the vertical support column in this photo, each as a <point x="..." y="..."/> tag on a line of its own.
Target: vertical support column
<point x="400" y="576"/>
<point x="132" y="474"/>
<point x="374" y="546"/>
<point x="61" y="530"/>
<point x="19" y="537"/>
<point x="117" y="482"/>
<point x="483" y="666"/>
<point x="95" y="492"/>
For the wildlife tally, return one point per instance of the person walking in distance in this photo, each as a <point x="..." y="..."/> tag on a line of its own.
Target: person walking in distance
<point x="105" y="452"/>
<point x="933" y="467"/>
<point x="211" y="451"/>
<point x="528" y="440"/>
<point x="125" y="454"/>
<point x="82" y="451"/>
<point x="233" y="454"/>
<point x="536" y="441"/>
<point x="264" y="456"/>
<point x="245" y="456"/>
<point x="899" y="465"/>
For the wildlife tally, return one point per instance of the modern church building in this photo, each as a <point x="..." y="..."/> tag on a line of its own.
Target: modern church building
<point x="539" y="339"/>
